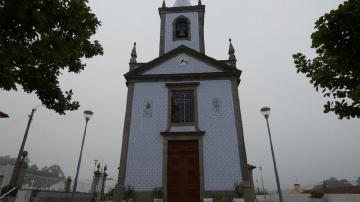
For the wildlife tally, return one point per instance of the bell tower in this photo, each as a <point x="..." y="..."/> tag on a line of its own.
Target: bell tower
<point x="182" y="24"/>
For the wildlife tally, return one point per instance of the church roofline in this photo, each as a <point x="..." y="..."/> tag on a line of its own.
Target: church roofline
<point x="184" y="77"/>
<point x="199" y="8"/>
<point x="228" y="69"/>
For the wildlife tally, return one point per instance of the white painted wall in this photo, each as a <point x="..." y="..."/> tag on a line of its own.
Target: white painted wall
<point x="171" y="67"/>
<point x="144" y="164"/>
<point x="193" y="43"/>
<point x="221" y="157"/>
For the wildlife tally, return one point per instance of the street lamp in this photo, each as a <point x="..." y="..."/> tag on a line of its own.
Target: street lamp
<point x="88" y="114"/>
<point x="266" y="112"/>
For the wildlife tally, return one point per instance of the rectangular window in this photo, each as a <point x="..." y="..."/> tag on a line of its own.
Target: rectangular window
<point x="182" y="106"/>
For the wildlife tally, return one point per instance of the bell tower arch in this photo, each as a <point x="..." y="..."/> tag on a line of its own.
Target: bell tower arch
<point x="182" y="24"/>
<point x="181" y="28"/>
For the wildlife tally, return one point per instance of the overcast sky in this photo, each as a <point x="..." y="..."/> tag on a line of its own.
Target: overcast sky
<point x="308" y="144"/>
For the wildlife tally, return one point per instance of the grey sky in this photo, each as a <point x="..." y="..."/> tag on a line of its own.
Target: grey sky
<point x="265" y="33"/>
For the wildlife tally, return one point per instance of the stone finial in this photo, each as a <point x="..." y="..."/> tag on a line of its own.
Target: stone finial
<point x="199" y="3"/>
<point x="133" y="54"/>
<point x="231" y="51"/>
<point x="164" y="4"/>
<point x="232" y="57"/>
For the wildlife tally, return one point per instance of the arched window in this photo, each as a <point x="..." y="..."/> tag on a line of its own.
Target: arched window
<point x="182" y="29"/>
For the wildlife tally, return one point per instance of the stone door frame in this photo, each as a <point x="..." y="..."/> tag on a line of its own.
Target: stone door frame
<point x="183" y="136"/>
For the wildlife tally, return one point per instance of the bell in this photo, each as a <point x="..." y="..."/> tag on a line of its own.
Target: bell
<point x="182" y="33"/>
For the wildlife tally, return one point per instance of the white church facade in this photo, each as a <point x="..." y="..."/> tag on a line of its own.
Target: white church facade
<point x="183" y="128"/>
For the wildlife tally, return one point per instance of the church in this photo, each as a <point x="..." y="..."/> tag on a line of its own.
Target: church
<point x="183" y="128"/>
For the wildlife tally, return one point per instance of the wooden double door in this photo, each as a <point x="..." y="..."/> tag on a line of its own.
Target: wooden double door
<point x="183" y="174"/>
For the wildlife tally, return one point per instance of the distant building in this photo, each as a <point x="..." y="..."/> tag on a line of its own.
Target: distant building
<point x="39" y="182"/>
<point x="5" y="175"/>
<point x="297" y="189"/>
<point x="338" y="190"/>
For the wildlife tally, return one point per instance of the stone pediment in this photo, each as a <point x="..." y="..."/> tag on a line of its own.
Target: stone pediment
<point x="182" y="61"/>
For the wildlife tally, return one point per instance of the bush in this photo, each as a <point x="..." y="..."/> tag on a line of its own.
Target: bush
<point x="129" y="190"/>
<point x="219" y="196"/>
<point x="158" y="192"/>
<point x="316" y="194"/>
<point x="239" y="190"/>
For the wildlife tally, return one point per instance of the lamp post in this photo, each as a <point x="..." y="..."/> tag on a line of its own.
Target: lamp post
<point x="88" y="114"/>
<point x="266" y="112"/>
<point x="15" y="172"/>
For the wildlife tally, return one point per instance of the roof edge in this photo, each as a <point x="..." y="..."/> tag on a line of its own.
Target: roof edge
<point x="221" y="64"/>
<point x="199" y="8"/>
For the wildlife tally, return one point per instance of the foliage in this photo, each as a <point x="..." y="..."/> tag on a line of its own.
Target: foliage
<point x="333" y="183"/>
<point x="239" y="190"/>
<point x="45" y="177"/>
<point x="41" y="38"/>
<point x="316" y="194"/>
<point x="7" y="160"/>
<point x="38" y="178"/>
<point x="336" y="69"/>
<point x="52" y="171"/>
<point x="129" y="191"/>
<point x="219" y="196"/>
<point x="158" y="192"/>
<point x="358" y="181"/>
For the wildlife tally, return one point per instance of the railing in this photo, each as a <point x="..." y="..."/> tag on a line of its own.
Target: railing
<point x="7" y="193"/>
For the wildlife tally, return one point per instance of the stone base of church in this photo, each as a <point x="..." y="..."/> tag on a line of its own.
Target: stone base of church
<point x="225" y="196"/>
<point x="217" y="196"/>
<point x="221" y="196"/>
<point x="143" y="196"/>
<point x="138" y="196"/>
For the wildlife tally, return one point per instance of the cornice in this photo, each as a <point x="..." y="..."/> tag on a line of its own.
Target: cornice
<point x="184" y="9"/>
